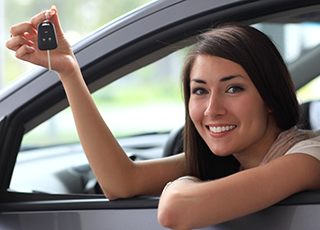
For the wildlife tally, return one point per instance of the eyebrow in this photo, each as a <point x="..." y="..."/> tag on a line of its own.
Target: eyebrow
<point x="199" y="81"/>
<point x="227" y="78"/>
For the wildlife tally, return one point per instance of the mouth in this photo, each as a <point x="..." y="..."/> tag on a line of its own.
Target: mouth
<point x="220" y="129"/>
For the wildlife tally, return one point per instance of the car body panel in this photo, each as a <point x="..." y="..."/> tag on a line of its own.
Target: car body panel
<point x="138" y="217"/>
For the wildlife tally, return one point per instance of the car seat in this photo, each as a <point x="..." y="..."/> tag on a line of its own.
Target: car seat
<point x="310" y="115"/>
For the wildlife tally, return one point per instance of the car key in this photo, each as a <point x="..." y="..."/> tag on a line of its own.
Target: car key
<point x="47" y="38"/>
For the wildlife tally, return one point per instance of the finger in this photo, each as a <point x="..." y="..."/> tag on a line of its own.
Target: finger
<point x="52" y="16"/>
<point x="16" y="42"/>
<point x="24" y="51"/>
<point x="22" y="28"/>
<point x="55" y="20"/>
<point x="37" y="19"/>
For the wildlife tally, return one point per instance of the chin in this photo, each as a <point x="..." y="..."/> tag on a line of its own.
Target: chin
<point x="220" y="153"/>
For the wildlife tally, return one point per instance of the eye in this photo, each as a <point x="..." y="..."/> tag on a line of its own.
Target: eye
<point x="199" y="91"/>
<point x="235" y="89"/>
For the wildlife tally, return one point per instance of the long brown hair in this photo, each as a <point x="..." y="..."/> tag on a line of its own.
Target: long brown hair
<point x="258" y="56"/>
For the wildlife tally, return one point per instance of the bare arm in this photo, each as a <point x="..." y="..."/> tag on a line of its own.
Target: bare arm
<point x="118" y="176"/>
<point x="186" y="204"/>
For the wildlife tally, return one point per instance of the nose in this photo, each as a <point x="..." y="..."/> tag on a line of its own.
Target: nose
<point x="215" y="107"/>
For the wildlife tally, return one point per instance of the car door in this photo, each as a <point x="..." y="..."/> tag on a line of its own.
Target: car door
<point x="120" y="48"/>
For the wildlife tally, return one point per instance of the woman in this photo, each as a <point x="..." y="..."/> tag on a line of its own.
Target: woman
<point x="256" y="55"/>
<point x="237" y="118"/>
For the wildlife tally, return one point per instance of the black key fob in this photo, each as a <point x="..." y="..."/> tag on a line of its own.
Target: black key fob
<point x="47" y="38"/>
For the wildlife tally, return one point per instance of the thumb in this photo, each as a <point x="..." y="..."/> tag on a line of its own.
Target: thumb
<point x="55" y="20"/>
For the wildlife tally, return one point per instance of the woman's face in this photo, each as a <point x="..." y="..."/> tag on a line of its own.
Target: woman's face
<point x="226" y="108"/>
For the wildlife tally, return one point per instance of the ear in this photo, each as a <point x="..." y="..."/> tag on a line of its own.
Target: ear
<point x="270" y="110"/>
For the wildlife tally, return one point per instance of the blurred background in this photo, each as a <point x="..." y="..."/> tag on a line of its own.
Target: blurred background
<point x="78" y="19"/>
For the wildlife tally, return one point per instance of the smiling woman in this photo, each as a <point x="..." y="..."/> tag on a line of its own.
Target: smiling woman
<point x="240" y="50"/>
<point x="228" y="82"/>
<point x="230" y="100"/>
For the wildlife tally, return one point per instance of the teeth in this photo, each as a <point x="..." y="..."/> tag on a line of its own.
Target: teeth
<point x="220" y="129"/>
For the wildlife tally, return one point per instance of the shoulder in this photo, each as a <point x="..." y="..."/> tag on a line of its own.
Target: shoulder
<point x="310" y="146"/>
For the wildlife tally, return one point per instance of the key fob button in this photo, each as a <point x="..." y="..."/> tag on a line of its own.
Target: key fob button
<point x="47" y="38"/>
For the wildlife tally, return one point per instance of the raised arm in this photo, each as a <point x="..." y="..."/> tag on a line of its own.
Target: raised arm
<point x="186" y="204"/>
<point x="118" y="176"/>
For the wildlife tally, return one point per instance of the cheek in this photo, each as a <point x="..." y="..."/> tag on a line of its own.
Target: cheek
<point x="195" y="112"/>
<point x="256" y="110"/>
<point x="250" y="110"/>
<point x="264" y="110"/>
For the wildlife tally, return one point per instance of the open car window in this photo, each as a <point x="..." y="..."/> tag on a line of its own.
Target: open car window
<point x="147" y="102"/>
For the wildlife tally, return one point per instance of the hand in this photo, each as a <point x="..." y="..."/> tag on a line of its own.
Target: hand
<point x="24" y="43"/>
<point x="184" y="179"/>
<point x="179" y="196"/>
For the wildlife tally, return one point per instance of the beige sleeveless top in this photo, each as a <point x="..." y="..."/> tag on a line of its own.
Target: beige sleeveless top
<point x="294" y="141"/>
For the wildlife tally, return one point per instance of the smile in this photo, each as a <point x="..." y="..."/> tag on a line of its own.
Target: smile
<point x="220" y="129"/>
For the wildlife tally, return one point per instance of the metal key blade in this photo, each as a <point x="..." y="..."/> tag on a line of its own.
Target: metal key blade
<point x="49" y="61"/>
